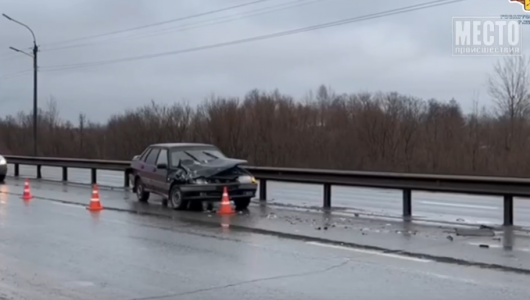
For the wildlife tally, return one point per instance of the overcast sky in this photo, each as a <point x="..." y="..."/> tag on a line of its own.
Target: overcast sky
<point x="409" y="53"/>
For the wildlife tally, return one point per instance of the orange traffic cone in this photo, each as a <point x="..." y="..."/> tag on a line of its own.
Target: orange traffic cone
<point x="27" y="193"/>
<point x="226" y="208"/>
<point x="95" y="205"/>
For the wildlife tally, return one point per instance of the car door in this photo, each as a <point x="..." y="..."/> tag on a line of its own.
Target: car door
<point x="159" y="180"/>
<point x="139" y="166"/>
<point x="149" y="168"/>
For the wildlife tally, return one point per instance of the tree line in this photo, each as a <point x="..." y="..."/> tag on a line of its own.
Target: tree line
<point x="361" y="131"/>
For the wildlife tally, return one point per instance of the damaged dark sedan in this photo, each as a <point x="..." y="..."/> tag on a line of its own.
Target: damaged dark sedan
<point x="186" y="175"/>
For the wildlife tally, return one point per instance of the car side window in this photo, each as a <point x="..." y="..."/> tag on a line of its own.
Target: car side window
<point x="144" y="154"/>
<point x="162" y="158"/>
<point x="151" y="157"/>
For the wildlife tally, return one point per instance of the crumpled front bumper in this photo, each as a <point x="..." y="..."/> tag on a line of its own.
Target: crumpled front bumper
<point x="214" y="192"/>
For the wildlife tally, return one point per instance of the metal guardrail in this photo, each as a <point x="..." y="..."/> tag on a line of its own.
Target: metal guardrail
<point x="479" y="185"/>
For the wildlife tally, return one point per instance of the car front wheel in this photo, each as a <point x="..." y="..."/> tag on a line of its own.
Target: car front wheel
<point x="176" y="200"/>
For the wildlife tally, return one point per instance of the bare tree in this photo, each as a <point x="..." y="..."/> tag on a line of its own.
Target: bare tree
<point x="508" y="87"/>
<point x="363" y="131"/>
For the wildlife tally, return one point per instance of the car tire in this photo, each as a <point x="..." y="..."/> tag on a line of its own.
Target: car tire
<point x="2" y="178"/>
<point x="242" y="204"/>
<point x="141" y="194"/>
<point x="175" y="199"/>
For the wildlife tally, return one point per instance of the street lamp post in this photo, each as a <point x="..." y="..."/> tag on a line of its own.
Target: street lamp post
<point x="34" y="56"/>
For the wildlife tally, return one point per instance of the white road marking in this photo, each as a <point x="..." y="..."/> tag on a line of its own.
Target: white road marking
<point x="460" y="205"/>
<point x="67" y="204"/>
<point x="74" y="284"/>
<point x="482" y="222"/>
<point x="450" y="278"/>
<point x="370" y="252"/>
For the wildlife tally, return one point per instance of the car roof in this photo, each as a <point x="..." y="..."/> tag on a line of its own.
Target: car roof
<point x="179" y="145"/>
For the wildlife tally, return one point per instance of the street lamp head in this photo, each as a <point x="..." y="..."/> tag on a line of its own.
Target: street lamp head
<point x="20" y="23"/>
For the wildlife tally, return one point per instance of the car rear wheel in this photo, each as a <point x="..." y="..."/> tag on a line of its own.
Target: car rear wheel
<point x="176" y="200"/>
<point x="2" y="178"/>
<point x="242" y="204"/>
<point x="142" y="195"/>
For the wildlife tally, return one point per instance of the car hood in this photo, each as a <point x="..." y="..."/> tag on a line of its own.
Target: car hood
<point x="212" y="167"/>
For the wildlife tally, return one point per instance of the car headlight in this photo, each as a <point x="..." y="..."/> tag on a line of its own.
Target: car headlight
<point x="2" y="160"/>
<point x="247" y="179"/>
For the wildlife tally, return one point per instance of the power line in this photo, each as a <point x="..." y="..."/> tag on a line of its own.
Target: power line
<point x="9" y="76"/>
<point x="9" y="56"/>
<point x="258" y="38"/>
<point x="159" y="23"/>
<point x="205" y="23"/>
<point x="262" y="37"/>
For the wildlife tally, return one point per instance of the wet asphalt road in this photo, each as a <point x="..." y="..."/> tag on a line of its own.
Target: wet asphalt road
<point x="52" y="251"/>
<point x="429" y="206"/>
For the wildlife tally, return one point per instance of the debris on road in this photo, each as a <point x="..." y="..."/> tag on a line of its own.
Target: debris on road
<point x="486" y="227"/>
<point x="474" y="232"/>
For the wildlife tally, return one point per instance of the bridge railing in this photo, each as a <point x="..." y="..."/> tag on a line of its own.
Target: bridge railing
<point x="507" y="188"/>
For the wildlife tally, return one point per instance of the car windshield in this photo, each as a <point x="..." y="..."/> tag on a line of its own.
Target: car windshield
<point x="205" y="154"/>
<point x="196" y="154"/>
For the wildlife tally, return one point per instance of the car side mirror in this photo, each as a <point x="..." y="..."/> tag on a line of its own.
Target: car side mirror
<point x="161" y="166"/>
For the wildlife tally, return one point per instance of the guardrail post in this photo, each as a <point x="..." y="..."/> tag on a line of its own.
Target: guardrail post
<point x="39" y="171"/>
<point x="508" y="210"/>
<point x="262" y="189"/>
<point x="93" y="173"/>
<point x="17" y="170"/>
<point x="126" y="179"/>
<point x="327" y="195"/>
<point x="65" y="174"/>
<point x="407" y="203"/>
